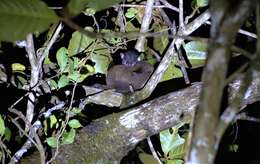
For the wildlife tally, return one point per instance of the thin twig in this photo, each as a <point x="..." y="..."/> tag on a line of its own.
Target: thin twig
<point x="50" y="43"/>
<point x="241" y="31"/>
<point x="244" y="116"/>
<point x="181" y="19"/>
<point x="181" y="62"/>
<point x="36" y="64"/>
<point x="28" y="144"/>
<point x="167" y="20"/>
<point x="139" y="46"/>
<point x="168" y="5"/>
<point x="153" y="151"/>
<point x="155" y="6"/>
<point x="34" y="78"/>
<point x="237" y="73"/>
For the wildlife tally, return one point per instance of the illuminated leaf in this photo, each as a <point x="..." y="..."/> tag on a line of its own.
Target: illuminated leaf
<point x="170" y="141"/>
<point x="68" y="137"/>
<point x="62" y="58"/>
<point x="202" y="3"/>
<point x="52" y="142"/>
<point x="74" y="124"/>
<point x="63" y="81"/>
<point x="2" y="126"/>
<point x="147" y="158"/>
<point x="18" y="67"/>
<point x="196" y="52"/>
<point x="53" y="120"/>
<point x="20" y="17"/>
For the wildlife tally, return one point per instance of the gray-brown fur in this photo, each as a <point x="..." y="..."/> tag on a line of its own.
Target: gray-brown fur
<point x="123" y="78"/>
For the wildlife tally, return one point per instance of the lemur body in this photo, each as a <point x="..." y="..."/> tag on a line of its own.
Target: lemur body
<point x="130" y="75"/>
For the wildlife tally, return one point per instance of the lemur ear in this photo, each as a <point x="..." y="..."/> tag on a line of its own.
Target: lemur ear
<point x="122" y="55"/>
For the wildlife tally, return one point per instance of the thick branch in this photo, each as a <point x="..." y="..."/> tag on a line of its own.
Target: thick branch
<point x="108" y="139"/>
<point x="111" y="137"/>
<point x="227" y="20"/>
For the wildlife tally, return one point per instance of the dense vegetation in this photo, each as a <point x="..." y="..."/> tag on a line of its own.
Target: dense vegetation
<point x="55" y="56"/>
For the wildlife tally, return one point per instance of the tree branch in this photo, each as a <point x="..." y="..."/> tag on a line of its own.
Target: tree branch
<point x="225" y="25"/>
<point x="110" y="138"/>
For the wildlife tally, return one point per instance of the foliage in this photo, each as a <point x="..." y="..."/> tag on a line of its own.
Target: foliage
<point x="196" y="52"/>
<point x="93" y="48"/>
<point x="76" y="58"/>
<point x="62" y="58"/>
<point x="16" y="15"/>
<point x="233" y="147"/>
<point x="173" y="146"/>
<point x="2" y="126"/>
<point x="74" y="124"/>
<point x="71" y="64"/>
<point x="147" y="158"/>
<point x="202" y="3"/>
<point x="172" y="72"/>
<point x="67" y="137"/>
<point x="18" y="67"/>
<point x="131" y="13"/>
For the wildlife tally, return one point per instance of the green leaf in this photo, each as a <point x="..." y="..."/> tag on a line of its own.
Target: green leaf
<point x="18" y="67"/>
<point x="68" y="137"/>
<point x="90" y="12"/>
<point x="53" y="120"/>
<point x="47" y="61"/>
<point x="45" y="127"/>
<point x="90" y="68"/>
<point x="75" y="63"/>
<point x="131" y="12"/>
<point x="63" y="81"/>
<point x="2" y="126"/>
<point x="62" y="58"/>
<point x="175" y="161"/>
<point x="75" y="7"/>
<point x="115" y="40"/>
<point x="170" y="141"/>
<point x="74" y="124"/>
<point x="131" y="28"/>
<point x="70" y="66"/>
<point x="196" y="49"/>
<point x="21" y="81"/>
<point x="80" y="42"/>
<point x="171" y="72"/>
<point x="75" y="76"/>
<point x="76" y="110"/>
<point x="233" y="147"/>
<point x="147" y="158"/>
<point x="52" y="142"/>
<point x="101" y="63"/>
<point x="196" y="52"/>
<point x="96" y="52"/>
<point x="8" y="134"/>
<point x="53" y="84"/>
<point x="20" y="17"/>
<point x="202" y="3"/>
<point x="160" y="43"/>
<point x="178" y="152"/>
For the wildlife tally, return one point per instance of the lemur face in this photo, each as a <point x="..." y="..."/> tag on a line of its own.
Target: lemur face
<point x="129" y="58"/>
